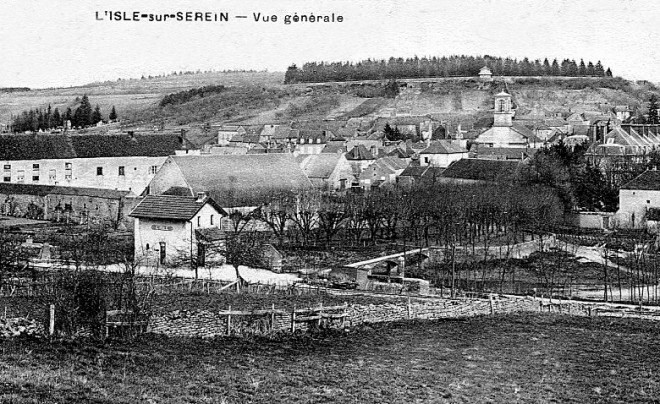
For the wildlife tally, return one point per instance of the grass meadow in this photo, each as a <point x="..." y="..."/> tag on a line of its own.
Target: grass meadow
<point x="500" y="359"/>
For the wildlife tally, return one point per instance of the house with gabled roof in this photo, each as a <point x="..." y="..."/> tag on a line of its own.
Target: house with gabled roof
<point x="285" y="135"/>
<point x="227" y="132"/>
<point x="638" y="198"/>
<point x="329" y="171"/>
<point x="441" y="153"/>
<point x="411" y="174"/>
<point x="312" y="141"/>
<point x="485" y="74"/>
<point x="384" y="170"/>
<point x="166" y="228"/>
<point x="231" y="180"/>
<point x="359" y="158"/>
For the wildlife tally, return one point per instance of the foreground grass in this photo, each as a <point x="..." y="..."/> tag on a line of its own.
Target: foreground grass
<point x="501" y="359"/>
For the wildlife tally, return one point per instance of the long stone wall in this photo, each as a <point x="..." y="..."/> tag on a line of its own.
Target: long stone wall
<point x="208" y="324"/>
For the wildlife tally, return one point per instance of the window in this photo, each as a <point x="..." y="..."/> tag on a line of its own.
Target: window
<point x="20" y="177"/>
<point x="35" y="178"/>
<point x="502" y="103"/>
<point x="6" y="175"/>
<point x="211" y="220"/>
<point x="35" y="167"/>
<point x="153" y="169"/>
<point x="199" y="221"/>
<point x="121" y="171"/>
<point x="7" y="167"/>
<point x="52" y="175"/>
<point x="68" y="168"/>
<point x="99" y="170"/>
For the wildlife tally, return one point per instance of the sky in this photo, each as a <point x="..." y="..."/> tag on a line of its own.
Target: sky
<point x="62" y="43"/>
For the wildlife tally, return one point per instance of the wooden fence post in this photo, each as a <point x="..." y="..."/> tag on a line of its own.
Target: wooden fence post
<point x="272" y="317"/>
<point x="343" y="319"/>
<point x="409" y="308"/>
<point x="492" y="309"/>
<point x="293" y="319"/>
<point x="229" y="321"/>
<point x="51" y="320"/>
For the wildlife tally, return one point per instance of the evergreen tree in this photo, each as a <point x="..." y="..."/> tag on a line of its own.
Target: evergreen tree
<point x="590" y="69"/>
<point x="96" y="115"/>
<point x="57" y="119"/>
<point x="83" y="114"/>
<point x="653" y="110"/>
<point x="608" y="73"/>
<point x="547" y="70"/>
<point x="598" y="70"/>
<point x="582" y="69"/>
<point x="554" y="70"/>
<point x="292" y="74"/>
<point x="68" y="116"/>
<point x="113" y="114"/>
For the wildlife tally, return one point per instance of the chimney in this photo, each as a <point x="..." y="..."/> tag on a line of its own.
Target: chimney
<point x="201" y="196"/>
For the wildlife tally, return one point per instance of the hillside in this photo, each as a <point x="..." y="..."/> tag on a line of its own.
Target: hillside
<point x="257" y="98"/>
<point x="127" y="95"/>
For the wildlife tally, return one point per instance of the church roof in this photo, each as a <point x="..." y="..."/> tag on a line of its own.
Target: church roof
<point x="502" y="94"/>
<point x="485" y="70"/>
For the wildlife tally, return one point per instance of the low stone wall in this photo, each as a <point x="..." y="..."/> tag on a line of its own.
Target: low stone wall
<point x="207" y="324"/>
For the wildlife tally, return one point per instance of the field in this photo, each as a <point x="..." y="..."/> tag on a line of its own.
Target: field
<point x="502" y="359"/>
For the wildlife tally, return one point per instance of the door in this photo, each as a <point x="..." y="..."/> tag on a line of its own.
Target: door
<point x="162" y="252"/>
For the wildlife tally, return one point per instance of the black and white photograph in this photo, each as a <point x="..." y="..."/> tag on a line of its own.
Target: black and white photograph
<point x="329" y="201"/>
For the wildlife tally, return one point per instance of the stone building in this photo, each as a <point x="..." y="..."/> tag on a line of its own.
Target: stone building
<point x="165" y="228"/>
<point x="76" y="205"/>
<point x="124" y="162"/>
<point x="637" y="198"/>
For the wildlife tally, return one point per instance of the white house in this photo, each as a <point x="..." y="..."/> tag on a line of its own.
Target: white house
<point x="637" y="198"/>
<point x="166" y="227"/>
<point x="485" y="73"/>
<point x="441" y="153"/>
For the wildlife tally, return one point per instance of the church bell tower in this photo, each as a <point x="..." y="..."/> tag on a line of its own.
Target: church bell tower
<point x="503" y="113"/>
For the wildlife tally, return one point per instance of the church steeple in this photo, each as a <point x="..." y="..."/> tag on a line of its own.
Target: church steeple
<point x="503" y="115"/>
